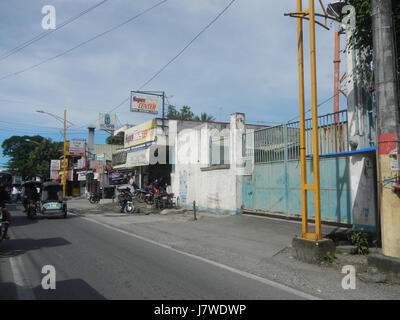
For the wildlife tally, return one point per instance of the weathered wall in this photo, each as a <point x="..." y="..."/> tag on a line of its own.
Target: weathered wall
<point x="347" y="189"/>
<point x="216" y="188"/>
<point x="363" y="191"/>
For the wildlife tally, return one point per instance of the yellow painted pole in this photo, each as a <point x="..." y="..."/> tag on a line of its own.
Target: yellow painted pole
<point x="64" y="181"/>
<point x="314" y="106"/>
<point x="302" y="121"/>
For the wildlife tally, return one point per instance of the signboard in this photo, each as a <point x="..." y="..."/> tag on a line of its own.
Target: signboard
<point x="119" y="158"/>
<point x="70" y="175"/>
<point x="77" y="147"/>
<point x="138" y="158"/>
<point x="139" y="134"/>
<point x="82" y="176"/>
<point x="395" y="165"/>
<point x="107" y="121"/>
<point x="81" y="163"/>
<point x="96" y="165"/>
<point x="117" y="177"/>
<point x="55" y="165"/>
<point x="144" y="103"/>
<point x="54" y="174"/>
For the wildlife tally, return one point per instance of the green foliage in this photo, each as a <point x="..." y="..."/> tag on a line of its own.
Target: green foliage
<point x="185" y="113"/>
<point x="204" y="117"/>
<point x="362" y="38"/>
<point x="118" y="139"/>
<point x="328" y="257"/>
<point x="30" y="156"/>
<point x="359" y="239"/>
<point x="172" y="113"/>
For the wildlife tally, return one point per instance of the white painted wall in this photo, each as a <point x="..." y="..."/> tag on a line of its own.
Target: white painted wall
<point x="219" y="189"/>
<point x="362" y="181"/>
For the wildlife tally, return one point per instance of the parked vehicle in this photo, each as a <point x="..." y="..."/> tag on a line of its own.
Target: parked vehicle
<point x="140" y="194"/>
<point x="5" y="182"/>
<point x="149" y="198"/>
<point x="31" y="197"/>
<point x="52" y="201"/>
<point x="94" y="197"/>
<point x="125" y="201"/>
<point x="164" y="200"/>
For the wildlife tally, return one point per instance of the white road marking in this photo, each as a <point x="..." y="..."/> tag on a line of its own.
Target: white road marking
<point x="24" y="290"/>
<point x="240" y="272"/>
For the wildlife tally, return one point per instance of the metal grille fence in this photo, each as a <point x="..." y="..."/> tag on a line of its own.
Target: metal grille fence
<point x="282" y="142"/>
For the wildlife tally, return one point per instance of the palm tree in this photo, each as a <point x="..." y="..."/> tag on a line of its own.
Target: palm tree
<point x="204" y="117"/>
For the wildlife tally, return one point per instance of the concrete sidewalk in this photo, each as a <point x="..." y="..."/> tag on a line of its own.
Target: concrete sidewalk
<point x="258" y="245"/>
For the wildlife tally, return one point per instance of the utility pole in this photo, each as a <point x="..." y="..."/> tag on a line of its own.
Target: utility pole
<point x="388" y="125"/>
<point x="65" y="161"/>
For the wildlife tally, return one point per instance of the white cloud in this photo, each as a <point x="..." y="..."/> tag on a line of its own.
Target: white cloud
<point x="246" y="61"/>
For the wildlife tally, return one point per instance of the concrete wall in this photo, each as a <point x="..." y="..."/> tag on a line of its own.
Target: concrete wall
<point x="363" y="191"/>
<point x="347" y="189"/>
<point x="215" y="188"/>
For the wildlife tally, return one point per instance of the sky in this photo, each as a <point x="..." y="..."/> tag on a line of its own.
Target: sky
<point x="244" y="62"/>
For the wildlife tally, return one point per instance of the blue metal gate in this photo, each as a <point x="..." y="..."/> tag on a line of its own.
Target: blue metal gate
<point x="274" y="185"/>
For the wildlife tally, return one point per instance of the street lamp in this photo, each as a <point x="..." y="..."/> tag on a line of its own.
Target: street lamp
<point x="64" y="161"/>
<point x="29" y="140"/>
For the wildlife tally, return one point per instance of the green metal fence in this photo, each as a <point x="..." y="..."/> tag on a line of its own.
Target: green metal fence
<point x="282" y="142"/>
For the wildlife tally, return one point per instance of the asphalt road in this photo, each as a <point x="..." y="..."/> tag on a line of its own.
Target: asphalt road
<point x="93" y="261"/>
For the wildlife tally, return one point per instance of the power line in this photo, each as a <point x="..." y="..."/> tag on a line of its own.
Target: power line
<point x="46" y="33"/>
<point x="175" y="57"/>
<point x="85" y="42"/>
<point x="320" y="104"/>
<point x="190" y="42"/>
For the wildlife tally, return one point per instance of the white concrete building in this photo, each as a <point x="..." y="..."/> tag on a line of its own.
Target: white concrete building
<point x="208" y="163"/>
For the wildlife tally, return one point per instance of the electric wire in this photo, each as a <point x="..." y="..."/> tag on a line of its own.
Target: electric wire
<point x="83" y="43"/>
<point x="175" y="57"/>
<point x="47" y="33"/>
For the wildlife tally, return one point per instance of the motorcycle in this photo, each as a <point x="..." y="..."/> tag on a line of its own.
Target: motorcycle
<point x="33" y="208"/>
<point x="140" y="194"/>
<point x="31" y="199"/>
<point x="151" y="195"/>
<point x="125" y="202"/>
<point x="3" y="225"/>
<point x="164" y="200"/>
<point x="94" y="197"/>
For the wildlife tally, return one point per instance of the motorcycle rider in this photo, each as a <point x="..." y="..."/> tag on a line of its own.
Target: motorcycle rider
<point x="6" y="217"/>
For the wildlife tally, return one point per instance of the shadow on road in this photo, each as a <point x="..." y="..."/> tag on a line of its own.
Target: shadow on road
<point x="74" y="289"/>
<point x="15" y="247"/>
<point x="18" y="220"/>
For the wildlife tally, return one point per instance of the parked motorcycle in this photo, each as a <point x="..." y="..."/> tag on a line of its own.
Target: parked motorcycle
<point x="164" y="200"/>
<point x="125" y="201"/>
<point x="140" y="194"/>
<point x="150" y="197"/>
<point x="94" y="197"/>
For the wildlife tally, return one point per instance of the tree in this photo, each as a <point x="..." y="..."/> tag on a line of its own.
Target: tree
<point x="204" y="117"/>
<point x="184" y="114"/>
<point x="118" y="139"/>
<point x="362" y="37"/>
<point x="172" y="113"/>
<point x="30" y="156"/>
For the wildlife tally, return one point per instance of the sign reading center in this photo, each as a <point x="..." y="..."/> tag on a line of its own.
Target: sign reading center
<point x="143" y="103"/>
